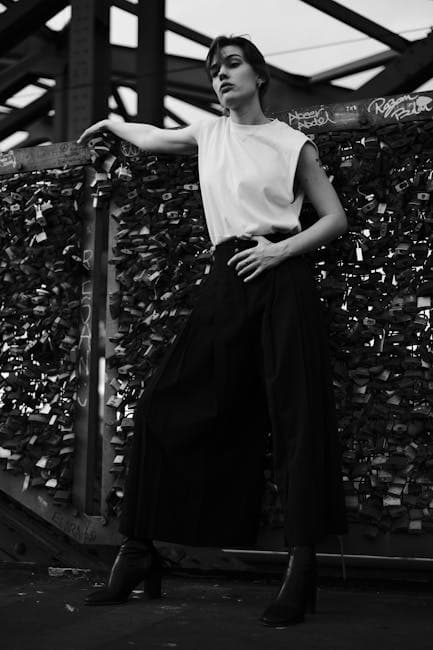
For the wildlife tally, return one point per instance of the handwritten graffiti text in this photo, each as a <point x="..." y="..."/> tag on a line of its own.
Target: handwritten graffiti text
<point x="308" y="119"/>
<point x="400" y="107"/>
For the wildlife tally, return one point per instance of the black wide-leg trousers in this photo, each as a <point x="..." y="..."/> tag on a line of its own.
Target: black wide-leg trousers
<point x="252" y="358"/>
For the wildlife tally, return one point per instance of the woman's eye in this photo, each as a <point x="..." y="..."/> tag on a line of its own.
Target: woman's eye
<point x="214" y="70"/>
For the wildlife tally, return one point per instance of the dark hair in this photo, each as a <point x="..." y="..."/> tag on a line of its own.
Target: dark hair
<point x="252" y="55"/>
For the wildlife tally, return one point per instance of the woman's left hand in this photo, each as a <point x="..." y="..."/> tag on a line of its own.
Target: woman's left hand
<point x="250" y="262"/>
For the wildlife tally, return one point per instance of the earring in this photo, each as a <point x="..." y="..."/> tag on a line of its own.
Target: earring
<point x="259" y="82"/>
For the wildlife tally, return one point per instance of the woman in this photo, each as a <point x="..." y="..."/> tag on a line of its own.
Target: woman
<point x="252" y="356"/>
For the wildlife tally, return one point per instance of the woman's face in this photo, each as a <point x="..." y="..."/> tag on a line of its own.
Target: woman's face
<point x="233" y="79"/>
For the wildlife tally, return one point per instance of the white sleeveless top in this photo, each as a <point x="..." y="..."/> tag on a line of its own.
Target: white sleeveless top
<point x="246" y="175"/>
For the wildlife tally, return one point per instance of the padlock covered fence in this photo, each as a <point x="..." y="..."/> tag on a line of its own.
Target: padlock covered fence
<point x="376" y="283"/>
<point x="41" y="270"/>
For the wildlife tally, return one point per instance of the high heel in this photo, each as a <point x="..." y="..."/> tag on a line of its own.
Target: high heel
<point x="298" y="591"/>
<point x="135" y="562"/>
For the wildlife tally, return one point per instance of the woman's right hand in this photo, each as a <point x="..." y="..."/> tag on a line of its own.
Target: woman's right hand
<point x="91" y="131"/>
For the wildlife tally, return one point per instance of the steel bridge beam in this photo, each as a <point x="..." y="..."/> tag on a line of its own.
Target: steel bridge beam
<point x="18" y="119"/>
<point x="121" y="108"/>
<point x="169" y="25"/>
<point x="41" y="62"/>
<point x="89" y="65"/>
<point x="366" y="63"/>
<point x="175" y="117"/>
<point x="404" y="74"/>
<point x="186" y="80"/>
<point x="150" y="62"/>
<point x="364" y="25"/>
<point x="23" y="18"/>
<point x="40" y="131"/>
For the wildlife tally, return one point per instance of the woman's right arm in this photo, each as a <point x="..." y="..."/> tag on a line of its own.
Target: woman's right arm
<point x="146" y="136"/>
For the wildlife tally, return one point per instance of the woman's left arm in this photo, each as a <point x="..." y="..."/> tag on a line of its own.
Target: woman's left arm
<point x="332" y="220"/>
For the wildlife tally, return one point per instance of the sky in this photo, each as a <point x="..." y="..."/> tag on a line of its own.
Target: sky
<point x="291" y="34"/>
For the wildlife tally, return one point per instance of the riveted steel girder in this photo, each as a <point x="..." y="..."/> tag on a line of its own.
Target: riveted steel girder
<point x="403" y="74"/>
<point x="362" y="24"/>
<point x="23" y="18"/>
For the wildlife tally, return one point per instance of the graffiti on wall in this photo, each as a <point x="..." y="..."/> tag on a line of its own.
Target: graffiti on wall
<point x="305" y="120"/>
<point x="85" y="333"/>
<point x="377" y="111"/>
<point x="398" y="108"/>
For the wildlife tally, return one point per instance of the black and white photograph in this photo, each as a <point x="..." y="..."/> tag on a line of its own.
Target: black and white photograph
<point x="216" y="309"/>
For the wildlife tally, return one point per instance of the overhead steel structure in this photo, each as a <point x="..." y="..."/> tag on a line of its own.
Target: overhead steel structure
<point x="79" y="71"/>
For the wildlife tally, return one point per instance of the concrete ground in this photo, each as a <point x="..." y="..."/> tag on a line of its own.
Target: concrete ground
<point x="42" y="612"/>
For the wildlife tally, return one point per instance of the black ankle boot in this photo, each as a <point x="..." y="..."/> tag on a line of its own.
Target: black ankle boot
<point x="297" y="592"/>
<point x="135" y="562"/>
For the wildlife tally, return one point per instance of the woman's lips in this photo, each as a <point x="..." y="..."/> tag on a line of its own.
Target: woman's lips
<point x="225" y="87"/>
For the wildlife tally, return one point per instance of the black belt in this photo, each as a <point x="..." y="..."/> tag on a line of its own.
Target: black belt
<point x="241" y="243"/>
